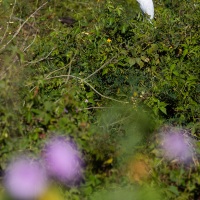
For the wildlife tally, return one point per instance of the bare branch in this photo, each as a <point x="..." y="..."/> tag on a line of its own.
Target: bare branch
<point x="30" y="43"/>
<point x="8" y="23"/>
<point x="91" y="108"/>
<point x="69" y="64"/>
<point x="41" y="59"/>
<point x="70" y="68"/>
<point x="104" y="65"/>
<point x="21" y="26"/>
<point x="83" y="80"/>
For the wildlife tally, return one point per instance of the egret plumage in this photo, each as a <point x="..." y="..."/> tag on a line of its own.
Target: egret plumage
<point x="147" y="7"/>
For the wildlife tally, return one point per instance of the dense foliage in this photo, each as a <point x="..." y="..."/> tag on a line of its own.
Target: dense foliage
<point x="98" y="79"/>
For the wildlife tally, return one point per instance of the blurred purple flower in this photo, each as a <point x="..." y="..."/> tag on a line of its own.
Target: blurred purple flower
<point x="25" y="178"/>
<point x="66" y="111"/>
<point x="176" y="145"/>
<point x="63" y="160"/>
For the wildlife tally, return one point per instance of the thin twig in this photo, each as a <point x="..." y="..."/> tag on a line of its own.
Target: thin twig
<point x="24" y="42"/>
<point x="17" y="18"/>
<point x="16" y="57"/>
<point x="32" y="88"/>
<point x="91" y="108"/>
<point x="30" y="43"/>
<point x="83" y="80"/>
<point x="70" y="67"/>
<point x="69" y="64"/>
<point x="41" y="59"/>
<point x="118" y="121"/>
<point x="25" y="48"/>
<point x="19" y="29"/>
<point x="21" y="20"/>
<point x="151" y="170"/>
<point x="8" y="23"/>
<point x="104" y="65"/>
<point x="56" y="70"/>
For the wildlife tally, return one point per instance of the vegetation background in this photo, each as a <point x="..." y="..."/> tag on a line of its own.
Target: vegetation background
<point x="109" y="79"/>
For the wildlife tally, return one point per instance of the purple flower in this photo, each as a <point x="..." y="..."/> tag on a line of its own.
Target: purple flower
<point x="25" y="178"/>
<point x="176" y="145"/>
<point x="63" y="160"/>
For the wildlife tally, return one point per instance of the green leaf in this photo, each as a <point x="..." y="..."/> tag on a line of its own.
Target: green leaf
<point x="176" y="73"/>
<point x="174" y="190"/>
<point x="172" y="67"/>
<point x="105" y="71"/>
<point x="90" y="94"/>
<point x="140" y="63"/>
<point x="163" y="109"/>
<point x="131" y="61"/>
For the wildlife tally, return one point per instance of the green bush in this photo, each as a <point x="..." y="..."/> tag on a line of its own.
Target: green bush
<point x="56" y="78"/>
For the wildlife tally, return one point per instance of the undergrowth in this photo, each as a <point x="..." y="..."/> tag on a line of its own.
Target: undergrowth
<point x="97" y="80"/>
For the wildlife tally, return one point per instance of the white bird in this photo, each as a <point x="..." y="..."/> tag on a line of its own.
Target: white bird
<point x="147" y="7"/>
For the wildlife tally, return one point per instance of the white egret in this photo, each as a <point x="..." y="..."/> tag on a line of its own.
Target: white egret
<point x="147" y="7"/>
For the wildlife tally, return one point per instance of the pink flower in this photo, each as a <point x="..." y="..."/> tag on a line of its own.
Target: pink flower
<point x="63" y="160"/>
<point x="25" y="178"/>
<point x="176" y="145"/>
